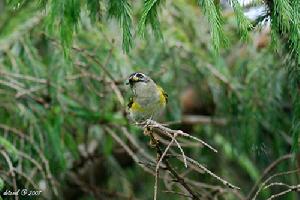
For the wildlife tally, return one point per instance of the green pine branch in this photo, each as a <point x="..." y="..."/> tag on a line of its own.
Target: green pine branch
<point x="212" y="12"/>
<point x="121" y="9"/>
<point x="283" y="13"/>
<point x="66" y="15"/>
<point x="94" y="9"/>
<point x="243" y="22"/>
<point x="150" y="16"/>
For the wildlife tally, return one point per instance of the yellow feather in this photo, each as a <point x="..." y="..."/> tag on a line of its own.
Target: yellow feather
<point x="152" y="107"/>
<point x="163" y="97"/>
<point x="136" y="107"/>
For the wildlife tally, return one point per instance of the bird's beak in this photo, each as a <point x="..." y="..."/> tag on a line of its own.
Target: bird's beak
<point x="131" y="80"/>
<point x="134" y="79"/>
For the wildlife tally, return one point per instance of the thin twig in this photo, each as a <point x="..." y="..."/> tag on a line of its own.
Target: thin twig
<point x="200" y="119"/>
<point x="11" y="171"/>
<point x="211" y="173"/>
<point x="166" y="131"/>
<point x="161" y="157"/>
<point x="27" y="178"/>
<point x="178" y="145"/>
<point x="40" y="153"/>
<point x="126" y="148"/>
<point x="182" y="153"/>
<point x="178" y="193"/>
<point x="266" y="171"/>
<point x="24" y="77"/>
<point x="135" y="144"/>
<point x="262" y="186"/>
<point x="295" y="188"/>
<point x="177" y="177"/>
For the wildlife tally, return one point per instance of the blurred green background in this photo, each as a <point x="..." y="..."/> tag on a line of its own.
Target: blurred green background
<point x="63" y="65"/>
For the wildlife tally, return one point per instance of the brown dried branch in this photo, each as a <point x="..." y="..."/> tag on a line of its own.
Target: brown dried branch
<point x="45" y="162"/>
<point x="267" y="171"/>
<point x="162" y="164"/>
<point x="126" y="148"/>
<point x="152" y="129"/>
<point x="264" y="184"/>
<point x="226" y="183"/>
<point x="177" y="177"/>
<point x="11" y="171"/>
<point x="209" y="187"/>
<point x="276" y="184"/>
<point x="27" y="178"/>
<point x="23" y="77"/>
<point x="200" y="119"/>
<point x="160" y="159"/>
<point x="160" y="129"/>
<point x="178" y="193"/>
<point x="292" y="188"/>
<point x="134" y="143"/>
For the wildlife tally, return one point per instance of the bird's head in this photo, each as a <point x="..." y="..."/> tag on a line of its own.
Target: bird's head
<point x="137" y="77"/>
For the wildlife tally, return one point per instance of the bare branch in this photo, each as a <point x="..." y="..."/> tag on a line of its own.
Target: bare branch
<point x="40" y="153"/>
<point x="161" y="157"/>
<point x="11" y="171"/>
<point x="266" y="171"/>
<point x="160" y="129"/>
<point x="262" y="186"/>
<point x="126" y="148"/>
<point x="177" y="177"/>
<point x="178" y="193"/>
<point x="226" y="183"/>
<point x="295" y="188"/>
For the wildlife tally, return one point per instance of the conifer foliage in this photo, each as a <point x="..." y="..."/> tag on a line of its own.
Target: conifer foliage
<point x="65" y="16"/>
<point x="232" y="80"/>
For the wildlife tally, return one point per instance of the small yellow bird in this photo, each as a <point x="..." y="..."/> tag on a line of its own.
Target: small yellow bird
<point x="149" y="99"/>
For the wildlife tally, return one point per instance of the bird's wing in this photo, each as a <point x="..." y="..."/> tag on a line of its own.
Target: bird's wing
<point x="166" y="96"/>
<point x="163" y="93"/>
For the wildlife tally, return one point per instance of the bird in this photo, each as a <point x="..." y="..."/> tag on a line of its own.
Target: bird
<point x="148" y="100"/>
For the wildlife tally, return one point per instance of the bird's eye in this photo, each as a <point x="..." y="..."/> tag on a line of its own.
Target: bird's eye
<point x="140" y="75"/>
